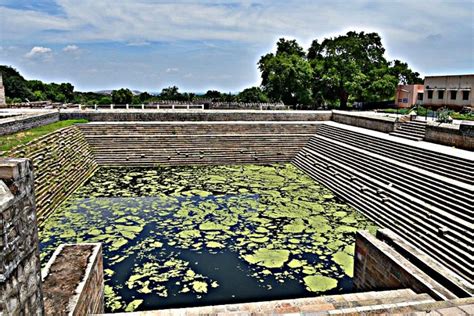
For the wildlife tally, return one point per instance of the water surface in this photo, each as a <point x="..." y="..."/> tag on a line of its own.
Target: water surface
<point x="190" y="236"/>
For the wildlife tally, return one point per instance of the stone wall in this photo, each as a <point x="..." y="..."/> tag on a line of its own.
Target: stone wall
<point x="20" y="279"/>
<point x="460" y="136"/>
<point x="377" y="266"/>
<point x="24" y="122"/>
<point x="376" y="123"/>
<point x="195" y="115"/>
<point x="73" y="280"/>
<point x="62" y="162"/>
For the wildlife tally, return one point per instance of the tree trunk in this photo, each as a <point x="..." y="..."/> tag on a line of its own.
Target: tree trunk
<point x="343" y="100"/>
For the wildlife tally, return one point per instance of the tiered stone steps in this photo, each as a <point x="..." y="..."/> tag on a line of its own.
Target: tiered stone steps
<point x="196" y="143"/>
<point x="62" y="161"/>
<point x="454" y="167"/>
<point x="323" y="305"/>
<point x="413" y="130"/>
<point x="432" y="211"/>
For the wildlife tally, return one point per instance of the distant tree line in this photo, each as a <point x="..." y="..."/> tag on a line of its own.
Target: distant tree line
<point x="336" y="72"/>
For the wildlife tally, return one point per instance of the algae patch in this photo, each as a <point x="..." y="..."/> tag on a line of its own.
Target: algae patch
<point x="155" y="225"/>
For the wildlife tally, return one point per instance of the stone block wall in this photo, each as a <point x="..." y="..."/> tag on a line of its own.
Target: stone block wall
<point x="193" y="115"/>
<point x="377" y="266"/>
<point x="73" y="280"/>
<point x="62" y="161"/>
<point x="460" y="136"/>
<point x="376" y="123"/>
<point x="24" y="122"/>
<point x="20" y="279"/>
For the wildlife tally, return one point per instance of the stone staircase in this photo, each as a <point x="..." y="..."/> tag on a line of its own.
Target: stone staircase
<point x="413" y="130"/>
<point x="196" y="143"/>
<point x="373" y="303"/>
<point x="388" y="182"/>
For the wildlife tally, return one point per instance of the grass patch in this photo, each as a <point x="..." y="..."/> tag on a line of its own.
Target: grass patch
<point x="465" y="117"/>
<point x="7" y="142"/>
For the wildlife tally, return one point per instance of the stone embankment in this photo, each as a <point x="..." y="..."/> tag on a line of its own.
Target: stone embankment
<point x="424" y="195"/>
<point x="62" y="161"/>
<point x="196" y="143"/>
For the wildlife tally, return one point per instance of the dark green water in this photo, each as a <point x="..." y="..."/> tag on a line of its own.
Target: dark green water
<point x="190" y="236"/>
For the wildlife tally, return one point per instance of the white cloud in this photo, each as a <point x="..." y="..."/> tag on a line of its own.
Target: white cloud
<point x="38" y="51"/>
<point x="70" y="48"/>
<point x="169" y="70"/>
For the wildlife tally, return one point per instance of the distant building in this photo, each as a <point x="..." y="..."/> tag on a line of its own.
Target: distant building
<point x="3" y="100"/>
<point x="408" y="95"/>
<point x="450" y="91"/>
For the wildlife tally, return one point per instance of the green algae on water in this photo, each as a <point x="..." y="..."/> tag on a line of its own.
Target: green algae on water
<point x="280" y="224"/>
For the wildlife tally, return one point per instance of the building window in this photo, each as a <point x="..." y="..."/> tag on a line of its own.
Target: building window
<point x="430" y="94"/>
<point x="453" y="94"/>
<point x="465" y="95"/>
<point x="420" y="96"/>
<point x="440" y="94"/>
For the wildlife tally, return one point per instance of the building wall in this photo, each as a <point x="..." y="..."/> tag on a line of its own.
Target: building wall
<point x="20" y="276"/>
<point x="446" y="84"/>
<point x="407" y="95"/>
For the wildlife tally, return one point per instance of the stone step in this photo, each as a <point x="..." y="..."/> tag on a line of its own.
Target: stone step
<point x="402" y="216"/>
<point x="454" y="167"/>
<point x="407" y="136"/>
<point x="302" y="306"/>
<point x="389" y="148"/>
<point x="403" y="179"/>
<point x="393" y="215"/>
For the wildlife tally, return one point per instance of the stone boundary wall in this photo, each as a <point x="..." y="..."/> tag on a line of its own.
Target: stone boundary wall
<point x="377" y="266"/>
<point x="460" y="136"/>
<point x="24" y="122"/>
<point x="376" y="123"/>
<point x="62" y="161"/>
<point x="185" y="115"/>
<point x="20" y="279"/>
<point x="88" y="297"/>
<point x="451" y="281"/>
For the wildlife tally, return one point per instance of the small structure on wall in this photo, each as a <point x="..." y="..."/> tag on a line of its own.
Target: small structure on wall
<point x="3" y="102"/>
<point x="454" y="91"/>
<point x="408" y="95"/>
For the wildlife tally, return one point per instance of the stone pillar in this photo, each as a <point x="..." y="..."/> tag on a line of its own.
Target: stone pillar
<point x="20" y="274"/>
<point x="3" y="99"/>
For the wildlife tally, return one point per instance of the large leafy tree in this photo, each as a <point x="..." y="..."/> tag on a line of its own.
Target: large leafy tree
<point x="122" y="96"/>
<point x="338" y="70"/>
<point x="286" y="75"/>
<point x="351" y="66"/>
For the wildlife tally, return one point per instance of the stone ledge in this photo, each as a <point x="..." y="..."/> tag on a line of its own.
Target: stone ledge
<point x="74" y="289"/>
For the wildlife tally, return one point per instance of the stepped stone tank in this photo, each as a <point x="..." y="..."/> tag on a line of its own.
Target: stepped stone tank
<point x="424" y="195"/>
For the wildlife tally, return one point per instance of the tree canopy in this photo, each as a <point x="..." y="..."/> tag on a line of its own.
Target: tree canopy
<point x="345" y="68"/>
<point x="122" y="96"/>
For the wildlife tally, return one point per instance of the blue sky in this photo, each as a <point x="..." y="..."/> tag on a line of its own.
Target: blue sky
<point x="215" y="44"/>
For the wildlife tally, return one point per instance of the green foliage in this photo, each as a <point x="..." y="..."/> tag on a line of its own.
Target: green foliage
<point x="286" y="78"/>
<point x="122" y="96"/>
<point x="464" y="117"/>
<point x="105" y="100"/>
<point x="339" y="70"/>
<point x="251" y="95"/>
<point x="16" y="88"/>
<point x="7" y="142"/>
<point x="443" y="116"/>
<point x="170" y="93"/>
